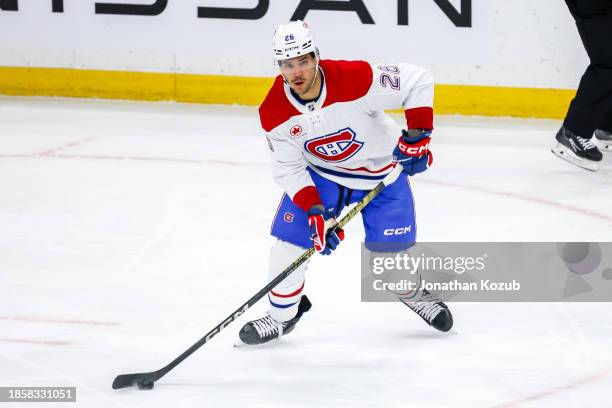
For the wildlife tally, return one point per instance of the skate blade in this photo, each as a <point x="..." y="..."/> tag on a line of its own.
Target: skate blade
<point x="240" y="344"/>
<point x="566" y="154"/>
<point x="604" y="145"/>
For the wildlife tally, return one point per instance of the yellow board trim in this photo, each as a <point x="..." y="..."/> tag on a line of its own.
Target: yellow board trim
<point x="218" y="89"/>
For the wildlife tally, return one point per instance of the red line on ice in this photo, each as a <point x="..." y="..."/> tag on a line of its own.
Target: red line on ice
<point x="53" y="151"/>
<point x="555" y="390"/>
<point x="135" y="158"/>
<point x="31" y="319"/>
<point x="523" y="197"/>
<point x="40" y="342"/>
<point x="161" y="159"/>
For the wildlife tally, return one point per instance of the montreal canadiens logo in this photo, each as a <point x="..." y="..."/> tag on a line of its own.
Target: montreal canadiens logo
<point x="296" y="131"/>
<point x="288" y="217"/>
<point x="335" y="147"/>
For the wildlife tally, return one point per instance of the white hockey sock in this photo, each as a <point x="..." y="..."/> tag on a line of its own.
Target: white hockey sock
<point x="285" y="297"/>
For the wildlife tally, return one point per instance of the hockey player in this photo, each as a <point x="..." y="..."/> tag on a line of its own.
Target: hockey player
<point x="331" y="143"/>
<point x="590" y="112"/>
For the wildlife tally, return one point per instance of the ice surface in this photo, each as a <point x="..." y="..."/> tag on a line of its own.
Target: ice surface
<point x="128" y="230"/>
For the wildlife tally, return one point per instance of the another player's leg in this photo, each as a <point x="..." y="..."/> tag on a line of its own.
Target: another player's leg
<point x="287" y="300"/>
<point x="594" y="95"/>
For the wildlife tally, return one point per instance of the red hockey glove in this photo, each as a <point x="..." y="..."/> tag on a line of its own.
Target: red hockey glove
<point x="324" y="233"/>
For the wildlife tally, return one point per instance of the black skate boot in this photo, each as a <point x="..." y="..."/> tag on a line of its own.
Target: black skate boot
<point x="603" y="138"/>
<point x="577" y="150"/>
<point x="263" y="330"/>
<point x="431" y="309"/>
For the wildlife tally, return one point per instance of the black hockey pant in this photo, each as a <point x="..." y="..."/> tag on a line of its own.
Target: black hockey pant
<point x="592" y="107"/>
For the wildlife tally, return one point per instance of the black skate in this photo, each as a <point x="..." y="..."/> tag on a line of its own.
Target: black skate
<point x="266" y="329"/>
<point x="577" y="150"/>
<point x="603" y="139"/>
<point x="431" y="309"/>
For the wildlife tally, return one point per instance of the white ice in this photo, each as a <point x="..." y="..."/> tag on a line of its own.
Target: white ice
<point x="128" y="230"/>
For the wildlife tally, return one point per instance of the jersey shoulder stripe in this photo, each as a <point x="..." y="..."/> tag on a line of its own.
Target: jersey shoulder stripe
<point x="346" y="80"/>
<point x="276" y="109"/>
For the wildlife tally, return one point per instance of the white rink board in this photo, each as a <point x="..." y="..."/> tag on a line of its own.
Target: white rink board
<point x="510" y="43"/>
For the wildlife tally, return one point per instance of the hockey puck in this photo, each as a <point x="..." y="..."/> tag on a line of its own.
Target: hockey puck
<point x="145" y="385"/>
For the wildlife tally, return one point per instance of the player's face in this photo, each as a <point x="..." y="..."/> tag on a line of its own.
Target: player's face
<point x="299" y="73"/>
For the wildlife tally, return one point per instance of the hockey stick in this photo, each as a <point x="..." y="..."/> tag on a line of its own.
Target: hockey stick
<point x="146" y="380"/>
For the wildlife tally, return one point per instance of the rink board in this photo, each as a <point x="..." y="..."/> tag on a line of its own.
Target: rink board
<point x="220" y="89"/>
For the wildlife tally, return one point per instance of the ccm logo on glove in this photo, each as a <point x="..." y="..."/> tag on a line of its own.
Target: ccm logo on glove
<point x="418" y="149"/>
<point x="412" y="151"/>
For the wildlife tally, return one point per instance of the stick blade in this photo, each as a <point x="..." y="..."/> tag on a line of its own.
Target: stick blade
<point x="144" y="381"/>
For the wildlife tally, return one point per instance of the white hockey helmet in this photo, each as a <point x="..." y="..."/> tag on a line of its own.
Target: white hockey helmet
<point x="293" y="40"/>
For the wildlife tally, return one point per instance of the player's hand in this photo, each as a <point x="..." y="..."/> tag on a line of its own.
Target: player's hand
<point x="324" y="233"/>
<point x="412" y="151"/>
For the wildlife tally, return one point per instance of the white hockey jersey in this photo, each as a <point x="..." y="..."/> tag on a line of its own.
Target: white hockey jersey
<point x="344" y="135"/>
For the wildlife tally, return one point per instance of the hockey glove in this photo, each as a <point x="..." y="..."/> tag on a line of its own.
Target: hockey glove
<point x="412" y="151"/>
<point x="324" y="233"/>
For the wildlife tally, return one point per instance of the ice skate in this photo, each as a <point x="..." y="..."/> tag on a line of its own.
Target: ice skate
<point x="603" y="139"/>
<point x="431" y="309"/>
<point x="267" y="329"/>
<point x="577" y="150"/>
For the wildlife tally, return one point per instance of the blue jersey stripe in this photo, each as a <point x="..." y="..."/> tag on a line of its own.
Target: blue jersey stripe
<point x="348" y="175"/>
